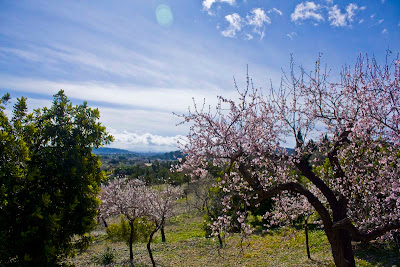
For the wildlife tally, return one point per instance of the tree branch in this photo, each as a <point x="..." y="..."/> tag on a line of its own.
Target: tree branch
<point x="291" y="186"/>
<point x="357" y="235"/>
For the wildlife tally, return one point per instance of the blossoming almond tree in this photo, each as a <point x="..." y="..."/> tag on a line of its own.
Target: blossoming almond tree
<point x="126" y="197"/>
<point x="349" y="172"/>
<point x="160" y="206"/>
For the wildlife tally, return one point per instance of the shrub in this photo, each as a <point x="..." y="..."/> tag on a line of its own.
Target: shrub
<point x="106" y="257"/>
<point x="120" y="232"/>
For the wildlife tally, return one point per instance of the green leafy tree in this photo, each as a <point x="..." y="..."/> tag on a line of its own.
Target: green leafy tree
<point x="49" y="179"/>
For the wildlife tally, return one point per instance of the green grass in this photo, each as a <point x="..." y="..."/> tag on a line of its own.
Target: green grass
<point x="187" y="246"/>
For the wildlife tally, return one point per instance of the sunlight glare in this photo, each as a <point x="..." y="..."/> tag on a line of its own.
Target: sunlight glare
<point x="164" y="15"/>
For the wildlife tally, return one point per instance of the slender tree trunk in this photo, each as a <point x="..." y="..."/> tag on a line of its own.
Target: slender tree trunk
<point x="220" y="240"/>
<point x="162" y="234"/>
<point x="105" y="223"/>
<point x="131" y="242"/>
<point x="307" y="245"/>
<point x="149" y="245"/>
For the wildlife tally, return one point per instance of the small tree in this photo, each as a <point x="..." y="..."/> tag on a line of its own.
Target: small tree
<point x="160" y="207"/>
<point x="207" y="201"/>
<point x="126" y="197"/>
<point x="351" y="178"/>
<point x="49" y="179"/>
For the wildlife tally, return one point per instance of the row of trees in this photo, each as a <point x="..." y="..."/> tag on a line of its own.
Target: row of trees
<point x="346" y="163"/>
<point x="157" y="173"/>
<point x="133" y="199"/>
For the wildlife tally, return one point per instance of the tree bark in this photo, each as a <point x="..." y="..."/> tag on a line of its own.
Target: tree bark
<point x="220" y="240"/>
<point x="162" y="234"/>
<point x="342" y="251"/>
<point x="131" y="241"/>
<point x="149" y="244"/>
<point x="307" y="245"/>
<point x="105" y="223"/>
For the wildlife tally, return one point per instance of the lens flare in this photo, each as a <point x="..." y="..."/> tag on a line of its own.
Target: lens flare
<point x="164" y="15"/>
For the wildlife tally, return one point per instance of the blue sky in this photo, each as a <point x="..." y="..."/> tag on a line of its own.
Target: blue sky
<point x="140" y="60"/>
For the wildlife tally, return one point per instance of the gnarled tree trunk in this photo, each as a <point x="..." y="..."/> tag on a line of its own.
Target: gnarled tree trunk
<point x="342" y="251"/>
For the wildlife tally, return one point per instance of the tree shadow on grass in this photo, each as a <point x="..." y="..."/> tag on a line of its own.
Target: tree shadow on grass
<point x="378" y="254"/>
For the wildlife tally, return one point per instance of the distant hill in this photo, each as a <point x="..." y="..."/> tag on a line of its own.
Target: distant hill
<point x="173" y="155"/>
<point x="109" y="150"/>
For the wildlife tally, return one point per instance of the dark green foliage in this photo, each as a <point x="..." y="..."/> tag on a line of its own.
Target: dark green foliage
<point x="49" y="179"/>
<point x="120" y="232"/>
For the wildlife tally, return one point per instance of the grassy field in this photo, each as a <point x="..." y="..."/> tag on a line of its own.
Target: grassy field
<point x="187" y="246"/>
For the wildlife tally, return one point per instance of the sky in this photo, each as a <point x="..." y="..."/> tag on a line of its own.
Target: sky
<point x="141" y="61"/>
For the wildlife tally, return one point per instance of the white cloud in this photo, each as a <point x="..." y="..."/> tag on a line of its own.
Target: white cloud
<point x="24" y="54"/>
<point x="339" y="19"/>
<point x="384" y="31"/>
<point x="257" y="19"/>
<point x="363" y="7"/>
<point x="329" y="1"/>
<point x="307" y="10"/>
<point x="336" y="17"/>
<point x="361" y="21"/>
<point x="248" y="36"/>
<point x="291" y="35"/>
<point x="350" y="9"/>
<point x="207" y="4"/>
<point x="380" y="21"/>
<point x="147" y="98"/>
<point x="143" y="142"/>
<point x="235" y="25"/>
<point x="275" y="10"/>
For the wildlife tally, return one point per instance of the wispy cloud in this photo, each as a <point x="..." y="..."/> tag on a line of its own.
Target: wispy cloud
<point x="351" y="9"/>
<point x="235" y="25"/>
<point x="339" y="19"/>
<point x="291" y="35"/>
<point x="385" y="31"/>
<point x="336" y="17"/>
<point x="276" y="11"/>
<point x="148" y="98"/>
<point x="23" y="54"/>
<point x="307" y="10"/>
<point x="257" y="19"/>
<point x="248" y="36"/>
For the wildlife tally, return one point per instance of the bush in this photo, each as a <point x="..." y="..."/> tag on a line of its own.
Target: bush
<point x="120" y="232"/>
<point x="106" y="257"/>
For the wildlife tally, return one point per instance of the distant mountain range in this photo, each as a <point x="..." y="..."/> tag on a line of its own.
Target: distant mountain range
<point x="173" y="155"/>
<point x="108" y="150"/>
